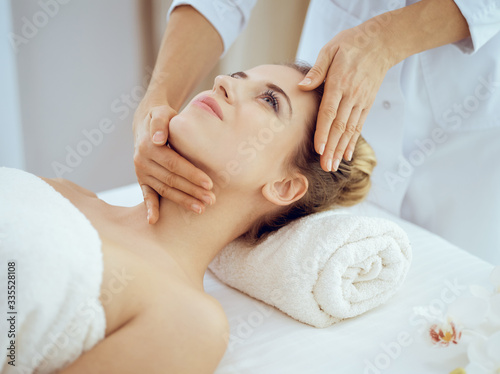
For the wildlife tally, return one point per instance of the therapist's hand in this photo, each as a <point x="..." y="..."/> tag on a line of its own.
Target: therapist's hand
<point x="161" y="170"/>
<point x="353" y="66"/>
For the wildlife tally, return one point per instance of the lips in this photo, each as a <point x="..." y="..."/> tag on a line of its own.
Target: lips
<point x="208" y="103"/>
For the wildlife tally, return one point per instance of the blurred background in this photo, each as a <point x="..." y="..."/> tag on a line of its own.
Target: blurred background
<point x="72" y="73"/>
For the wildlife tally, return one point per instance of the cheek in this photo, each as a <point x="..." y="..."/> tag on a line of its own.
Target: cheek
<point x="188" y="138"/>
<point x="192" y="130"/>
<point x="210" y="146"/>
<point x="249" y="150"/>
<point x="262" y="147"/>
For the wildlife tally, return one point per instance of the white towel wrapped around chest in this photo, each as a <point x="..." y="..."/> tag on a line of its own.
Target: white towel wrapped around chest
<point x="58" y="275"/>
<point x="322" y="268"/>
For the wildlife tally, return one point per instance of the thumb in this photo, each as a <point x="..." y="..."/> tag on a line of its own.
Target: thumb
<point x="158" y="126"/>
<point x="317" y="74"/>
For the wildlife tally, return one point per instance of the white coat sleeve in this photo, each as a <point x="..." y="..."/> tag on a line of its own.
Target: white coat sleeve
<point x="228" y="17"/>
<point x="483" y="18"/>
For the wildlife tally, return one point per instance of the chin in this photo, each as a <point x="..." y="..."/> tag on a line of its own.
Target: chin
<point x="188" y="140"/>
<point x="177" y="135"/>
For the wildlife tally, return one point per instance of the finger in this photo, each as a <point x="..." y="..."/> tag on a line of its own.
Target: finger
<point x="318" y="72"/>
<point x="337" y="129"/>
<point x="326" y="115"/>
<point x="357" y="133"/>
<point x="152" y="203"/>
<point x="182" y="184"/>
<point x="341" y="151"/>
<point x="177" y="164"/>
<point x="178" y="197"/>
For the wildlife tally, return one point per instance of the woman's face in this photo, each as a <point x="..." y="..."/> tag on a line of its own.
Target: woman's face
<point x="242" y="130"/>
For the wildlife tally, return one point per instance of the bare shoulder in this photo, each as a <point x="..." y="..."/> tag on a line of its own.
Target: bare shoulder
<point x="57" y="182"/>
<point x="202" y="313"/>
<point x="186" y="332"/>
<point x="215" y="310"/>
<point x="196" y="332"/>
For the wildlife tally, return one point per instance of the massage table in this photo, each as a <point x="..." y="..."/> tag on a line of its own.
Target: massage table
<point x="388" y="339"/>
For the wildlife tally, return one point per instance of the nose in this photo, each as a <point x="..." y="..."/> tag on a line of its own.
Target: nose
<point x="224" y="86"/>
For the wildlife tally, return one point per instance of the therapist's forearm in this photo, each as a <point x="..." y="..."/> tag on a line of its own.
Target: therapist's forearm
<point x="421" y="26"/>
<point x="190" y="48"/>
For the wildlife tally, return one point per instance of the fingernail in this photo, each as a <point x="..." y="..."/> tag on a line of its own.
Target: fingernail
<point x="207" y="199"/>
<point x="205" y="185"/>
<point x="329" y="165"/>
<point x="305" y="82"/>
<point x="196" y="208"/>
<point x="159" y="137"/>
<point x="321" y="148"/>
<point x="336" y="164"/>
<point x="349" y="156"/>
<point x="149" y="214"/>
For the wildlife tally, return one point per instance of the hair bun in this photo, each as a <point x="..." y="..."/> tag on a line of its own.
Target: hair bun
<point x="356" y="182"/>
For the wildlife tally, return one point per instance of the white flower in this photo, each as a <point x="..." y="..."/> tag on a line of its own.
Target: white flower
<point x="492" y="315"/>
<point x="446" y="333"/>
<point x="484" y="355"/>
<point x="472" y="322"/>
<point x="470" y="311"/>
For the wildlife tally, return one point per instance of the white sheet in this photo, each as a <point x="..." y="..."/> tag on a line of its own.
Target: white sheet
<point x="385" y="340"/>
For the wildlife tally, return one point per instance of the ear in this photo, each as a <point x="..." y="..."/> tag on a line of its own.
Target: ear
<point x="286" y="191"/>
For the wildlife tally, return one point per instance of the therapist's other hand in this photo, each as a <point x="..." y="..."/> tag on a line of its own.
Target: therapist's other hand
<point x="161" y="170"/>
<point x="353" y="66"/>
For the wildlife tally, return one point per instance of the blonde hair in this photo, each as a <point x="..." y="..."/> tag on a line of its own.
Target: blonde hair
<point x="348" y="186"/>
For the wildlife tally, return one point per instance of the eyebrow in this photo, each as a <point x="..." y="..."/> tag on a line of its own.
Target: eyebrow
<point x="269" y="85"/>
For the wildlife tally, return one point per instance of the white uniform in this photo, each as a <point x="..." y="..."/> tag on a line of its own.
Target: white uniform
<point x="435" y="122"/>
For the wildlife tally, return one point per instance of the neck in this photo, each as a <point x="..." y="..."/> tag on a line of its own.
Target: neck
<point x="194" y="240"/>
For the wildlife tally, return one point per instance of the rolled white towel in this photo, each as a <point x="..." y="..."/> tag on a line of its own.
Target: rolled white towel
<point x="322" y="268"/>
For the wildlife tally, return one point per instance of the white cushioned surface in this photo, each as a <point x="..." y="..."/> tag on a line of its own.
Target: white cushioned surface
<point x="384" y="340"/>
